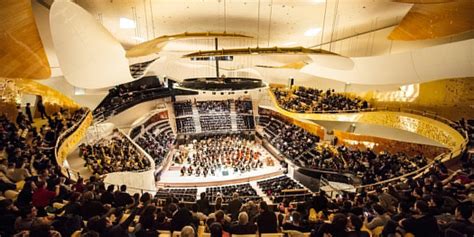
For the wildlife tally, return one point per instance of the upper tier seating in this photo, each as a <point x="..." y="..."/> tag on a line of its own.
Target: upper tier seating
<point x="309" y="100"/>
<point x="213" y="106"/>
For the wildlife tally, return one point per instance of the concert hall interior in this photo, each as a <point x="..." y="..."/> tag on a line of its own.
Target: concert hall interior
<point x="242" y="118"/>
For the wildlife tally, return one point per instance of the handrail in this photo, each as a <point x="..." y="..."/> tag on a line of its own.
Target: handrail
<point x="63" y="136"/>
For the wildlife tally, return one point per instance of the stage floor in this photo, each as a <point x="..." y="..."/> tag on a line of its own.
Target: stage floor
<point x="173" y="177"/>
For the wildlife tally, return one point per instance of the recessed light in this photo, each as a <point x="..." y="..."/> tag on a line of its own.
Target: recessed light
<point x="312" y="31"/>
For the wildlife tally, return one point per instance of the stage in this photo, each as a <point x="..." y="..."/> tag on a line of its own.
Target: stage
<point x="223" y="176"/>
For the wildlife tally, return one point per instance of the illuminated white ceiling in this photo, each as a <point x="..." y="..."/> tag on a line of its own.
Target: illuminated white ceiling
<point x="357" y="29"/>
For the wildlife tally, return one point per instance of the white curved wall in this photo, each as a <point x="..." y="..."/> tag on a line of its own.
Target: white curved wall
<point x="451" y="60"/>
<point x="90" y="57"/>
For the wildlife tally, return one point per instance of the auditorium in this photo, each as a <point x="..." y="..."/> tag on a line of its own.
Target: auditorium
<point x="236" y="118"/>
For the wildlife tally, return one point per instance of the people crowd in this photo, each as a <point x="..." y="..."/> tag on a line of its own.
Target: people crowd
<point x="309" y="100"/>
<point x="113" y="154"/>
<point x="125" y="95"/>
<point x="289" y="139"/>
<point x="437" y="203"/>
<point x="220" y="154"/>
<point x="156" y="143"/>
<point x="215" y="123"/>
<point x="213" y="106"/>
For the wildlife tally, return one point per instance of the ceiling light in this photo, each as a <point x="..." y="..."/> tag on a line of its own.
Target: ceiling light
<point x="289" y="43"/>
<point x="312" y="31"/>
<point x="126" y="23"/>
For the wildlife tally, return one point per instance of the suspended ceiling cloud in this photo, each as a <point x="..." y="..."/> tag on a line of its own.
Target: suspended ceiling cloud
<point x="90" y="57"/>
<point x="452" y="60"/>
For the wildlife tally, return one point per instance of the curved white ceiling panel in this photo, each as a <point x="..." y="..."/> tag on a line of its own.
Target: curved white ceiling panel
<point x="432" y="63"/>
<point x="89" y="55"/>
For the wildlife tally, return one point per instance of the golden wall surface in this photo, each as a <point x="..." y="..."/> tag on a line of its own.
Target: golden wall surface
<point x="449" y="98"/>
<point x="379" y="144"/>
<point x="22" y="54"/>
<point x="53" y="100"/>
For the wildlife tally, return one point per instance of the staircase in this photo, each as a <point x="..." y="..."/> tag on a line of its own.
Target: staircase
<point x="197" y="123"/>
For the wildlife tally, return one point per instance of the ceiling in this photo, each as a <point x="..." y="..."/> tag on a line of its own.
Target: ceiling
<point x="270" y="22"/>
<point x="352" y="28"/>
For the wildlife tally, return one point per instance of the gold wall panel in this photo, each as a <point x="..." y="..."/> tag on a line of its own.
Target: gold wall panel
<point x="449" y="98"/>
<point x="424" y="126"/>
<point x="379" y="144"/>
<point x="21" y="52"/>
<point x="52" y="99"/>
<point x="430" y="21"/>
<point x="423" y="1"/>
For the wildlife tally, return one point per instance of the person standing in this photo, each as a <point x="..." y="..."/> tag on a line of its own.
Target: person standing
<point x="28" y="112"/>
<point x="41" y="108"/>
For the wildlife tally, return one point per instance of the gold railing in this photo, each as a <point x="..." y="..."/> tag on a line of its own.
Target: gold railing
<point x="68" y="140"/>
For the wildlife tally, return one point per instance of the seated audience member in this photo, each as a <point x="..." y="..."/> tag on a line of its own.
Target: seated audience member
<point x="122" y="198"/>
<point x="295" y="223"/>
<point x="146" y="227"/>
<point x="462" y="223"/>
<point x="355" y="225"/>
<point x="203" y="204"/>
<point x="217" y="230"/>
<point x="188" y="231"/>
<point x="266" y="219"/>
<point x="181" y="218"/>
<point x="42" y="197"/>
<point x="234" y="206"/>
<point x="19" y="173"/>
<point x="403" y="212"/>
<point x="380" y="218"/>
<point x="243" y="227"/>
<point x="336" y="228"/>
<point x="421" y="224"/>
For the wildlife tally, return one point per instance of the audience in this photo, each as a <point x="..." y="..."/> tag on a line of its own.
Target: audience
<point x="309" y="100"/>
<point x="113" y="154"/>
<point x="156" y="142"/>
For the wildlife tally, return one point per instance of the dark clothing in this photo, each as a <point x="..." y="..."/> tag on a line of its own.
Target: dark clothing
<point x="28" y="113"/>
<point x="181" y="218"/>
<point x="332" y="229"/>
<point x="234" y="208"/>
<point x="320" y="203"/>
<point x="107" y="198"/>
<point x="267" y="222"/>
<point x="92" y="208"/>
<point x="204" y="206"/>
<point x="291" y="226"/>
<point x="358" y="234"/>
<point x="122" y="199"/>
<point x="425" y="225"/>
<point x="461" y="226"/>
<point x="248" y="229"/>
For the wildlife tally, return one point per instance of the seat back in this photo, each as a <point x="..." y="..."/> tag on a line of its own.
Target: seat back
<point x="293" y="233"/>
<point x="271" y="235"/>
<point x="244" y="235"/>
<point x="377" y="231"/>
<point x="176" y="234"/>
